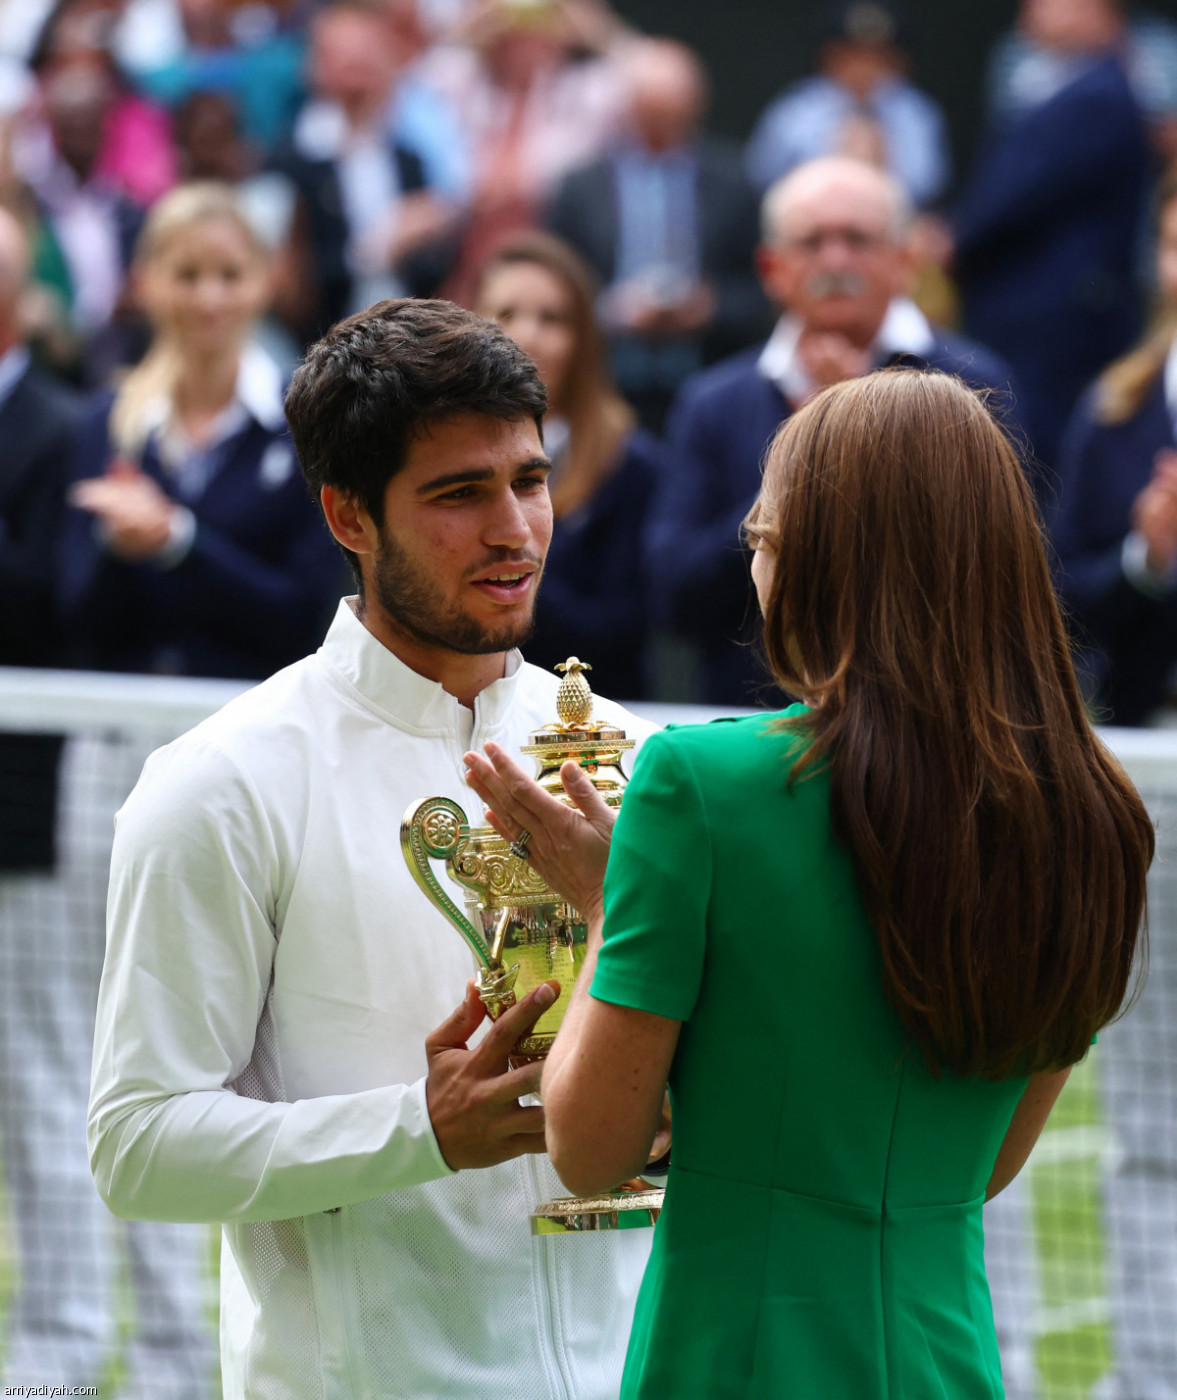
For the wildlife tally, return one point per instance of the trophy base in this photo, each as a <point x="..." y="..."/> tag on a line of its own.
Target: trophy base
<point x="627" y="1208"/>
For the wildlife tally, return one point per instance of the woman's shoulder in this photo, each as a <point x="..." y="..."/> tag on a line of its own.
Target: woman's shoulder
<point x="620" y="499"/>
<point x="727" y="746"/>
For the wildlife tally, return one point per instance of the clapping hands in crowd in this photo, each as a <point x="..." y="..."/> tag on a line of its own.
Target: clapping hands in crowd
<point x="134" y="516"/>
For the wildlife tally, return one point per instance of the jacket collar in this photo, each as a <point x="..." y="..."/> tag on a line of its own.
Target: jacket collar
<point x="382" y="682"/>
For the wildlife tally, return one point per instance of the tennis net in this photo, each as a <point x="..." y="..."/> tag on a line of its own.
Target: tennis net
<point x="1081" y="1250"/>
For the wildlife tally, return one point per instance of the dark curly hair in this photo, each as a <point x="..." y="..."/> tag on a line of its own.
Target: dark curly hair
<point x="376" y="380"/>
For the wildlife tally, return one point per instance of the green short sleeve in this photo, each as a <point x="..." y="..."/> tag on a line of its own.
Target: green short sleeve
<point x="657" y="888"/>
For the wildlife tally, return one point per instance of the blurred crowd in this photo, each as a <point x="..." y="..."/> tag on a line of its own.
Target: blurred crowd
<point x="193" y="190"/>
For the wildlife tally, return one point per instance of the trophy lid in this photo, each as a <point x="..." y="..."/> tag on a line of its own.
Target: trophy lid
<point x="574" y="710"/>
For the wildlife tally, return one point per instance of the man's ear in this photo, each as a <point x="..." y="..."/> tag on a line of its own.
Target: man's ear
<point x="773" y="273"/>
<point x="349" y="521"/>
<point x="764" y="257"/>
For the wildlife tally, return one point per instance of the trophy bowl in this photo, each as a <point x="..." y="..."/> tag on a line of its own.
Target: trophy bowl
<point x="521" y="931"/>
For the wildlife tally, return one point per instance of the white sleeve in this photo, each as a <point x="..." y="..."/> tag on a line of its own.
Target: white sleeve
<point x="196" y="880"/>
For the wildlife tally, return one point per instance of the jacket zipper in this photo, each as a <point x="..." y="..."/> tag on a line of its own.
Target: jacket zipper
<point x="543" y="1267"/>
<point x="334" y="1223"/>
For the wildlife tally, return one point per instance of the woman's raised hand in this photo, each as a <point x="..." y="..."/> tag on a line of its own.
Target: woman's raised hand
<point x="135" y="515"/>
<point x="568" y="846"/>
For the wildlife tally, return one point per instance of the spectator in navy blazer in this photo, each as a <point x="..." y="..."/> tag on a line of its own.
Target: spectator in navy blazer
<point x="593" y="598"/>
<point x="1115" y="530"/>
<point x="834" y="261"/>
<point x="369" y="221"/>
<point x="1048" y="227"/>
<point x="667" y="221"/>
<point x="36" y="419"/>
<point x="192" y="546"/>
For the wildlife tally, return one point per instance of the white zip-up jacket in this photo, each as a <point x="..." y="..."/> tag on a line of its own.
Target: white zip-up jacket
<point x="271" y="974"/>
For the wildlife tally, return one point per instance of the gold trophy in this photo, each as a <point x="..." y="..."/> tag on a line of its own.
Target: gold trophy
<point x="520" y="931"/>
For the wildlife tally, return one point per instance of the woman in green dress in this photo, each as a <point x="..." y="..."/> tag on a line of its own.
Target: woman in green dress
<point x="863" y="939"/>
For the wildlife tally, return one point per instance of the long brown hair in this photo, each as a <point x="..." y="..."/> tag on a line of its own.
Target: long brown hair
<point x="1123" y="387"/>
<point x="1000" y="850"/>
<point x="599" y="419"/>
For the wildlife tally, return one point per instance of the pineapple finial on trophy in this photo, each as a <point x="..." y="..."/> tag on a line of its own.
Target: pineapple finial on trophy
<point x="574" y="699"/>
<point x="595" y="744"/>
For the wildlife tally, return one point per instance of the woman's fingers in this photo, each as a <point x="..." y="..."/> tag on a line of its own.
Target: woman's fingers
<point x="516" y="802"/>
<point x="526" y="795"/>
<point x="502" y="812"/>
<point x="481" y="776"/>
<point x="92" y="494"/>
<point x="513" y="794"/>
<point x="568" y="841"/>
<point x="583" y="793"/>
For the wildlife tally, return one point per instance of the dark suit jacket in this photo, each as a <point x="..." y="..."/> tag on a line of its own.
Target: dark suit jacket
<point x="584" y="213"/>
<point x="254" y="592"/>
<point x="1127" y="637"/>
<point x="723" y="421"/>
<point x="327" y="233"/>
<point x="1048" y="232"/>
<point x="35" y="427"/>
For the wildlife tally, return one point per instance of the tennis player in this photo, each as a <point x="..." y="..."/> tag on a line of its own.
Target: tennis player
<point x="277" y="1048"/>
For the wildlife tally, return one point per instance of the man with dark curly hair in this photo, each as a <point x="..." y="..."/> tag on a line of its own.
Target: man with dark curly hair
<point x="277" y="1049"/>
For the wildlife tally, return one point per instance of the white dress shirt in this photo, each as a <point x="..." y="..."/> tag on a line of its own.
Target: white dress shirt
<point x="272" y="972"/>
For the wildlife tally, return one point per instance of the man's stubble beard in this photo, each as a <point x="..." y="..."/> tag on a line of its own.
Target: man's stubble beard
<point x="414" y="607"/>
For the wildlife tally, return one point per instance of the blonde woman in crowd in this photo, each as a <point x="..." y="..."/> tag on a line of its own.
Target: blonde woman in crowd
<point x="192" y="546"/>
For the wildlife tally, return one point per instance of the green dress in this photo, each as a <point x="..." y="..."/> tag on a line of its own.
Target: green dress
<point x="822" y="1235"/>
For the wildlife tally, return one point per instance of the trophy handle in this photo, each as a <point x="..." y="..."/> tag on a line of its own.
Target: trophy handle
<point x="437" y="828"/>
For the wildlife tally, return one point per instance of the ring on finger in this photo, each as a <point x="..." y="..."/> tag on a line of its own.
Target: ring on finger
<point x="519" y="845"/>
